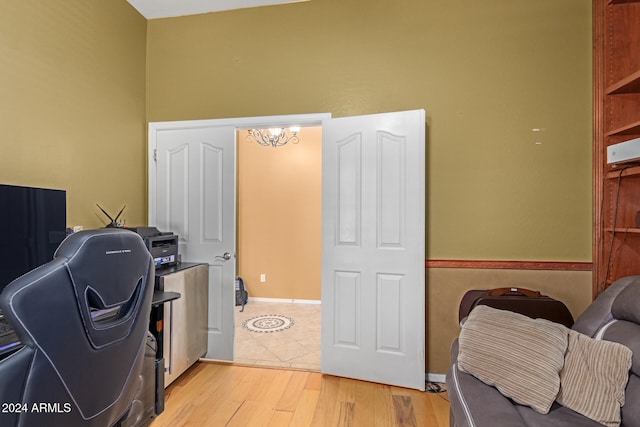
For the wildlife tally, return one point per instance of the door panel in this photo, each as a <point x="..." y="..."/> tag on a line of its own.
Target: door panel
<point x="349" y="180"/>
<point x="373" y="248"/>
<point x="391" y="189"/>
<point x="195" y="198"/>
<point x="173" y="213"/>
<point x="347" y="309"/>
<point x="212" y="194"/>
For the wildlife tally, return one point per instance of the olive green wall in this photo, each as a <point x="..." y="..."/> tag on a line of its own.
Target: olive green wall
<point x="72" y="104"/>
<point x="487" y="73"/>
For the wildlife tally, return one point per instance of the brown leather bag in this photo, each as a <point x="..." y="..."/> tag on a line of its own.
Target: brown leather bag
<point x="519" y="300"/>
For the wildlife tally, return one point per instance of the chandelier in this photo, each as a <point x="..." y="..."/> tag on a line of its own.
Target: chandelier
<point x="274" y="137"/>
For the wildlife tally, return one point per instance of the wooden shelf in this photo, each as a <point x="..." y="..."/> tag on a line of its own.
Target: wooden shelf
<point x="615" y="173"/>
<point x="629" y="84"/>
<point x="629" y="230"/>
<point x="630" y="129"/>
<point x="623" y="1"/>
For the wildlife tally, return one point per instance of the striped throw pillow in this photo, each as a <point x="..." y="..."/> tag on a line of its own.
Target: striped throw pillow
<point x="520" y="356"/>
<point x="594" y="378"/>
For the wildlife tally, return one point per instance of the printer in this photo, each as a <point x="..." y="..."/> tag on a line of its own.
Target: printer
<point x="163" y="246"/>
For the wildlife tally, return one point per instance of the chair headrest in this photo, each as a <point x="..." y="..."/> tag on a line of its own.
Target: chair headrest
<point x="108" y="270"/>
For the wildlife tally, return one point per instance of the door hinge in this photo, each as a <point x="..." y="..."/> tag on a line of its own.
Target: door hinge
<point x="155" y="154"/>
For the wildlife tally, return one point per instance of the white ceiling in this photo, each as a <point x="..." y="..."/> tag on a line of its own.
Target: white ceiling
<point x="164" y="8"/>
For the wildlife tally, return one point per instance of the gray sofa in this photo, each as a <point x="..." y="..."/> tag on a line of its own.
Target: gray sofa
<point x="613" y="316"/>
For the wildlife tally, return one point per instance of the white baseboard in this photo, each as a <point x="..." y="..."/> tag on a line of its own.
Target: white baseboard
<point x="286" y="300"/>
<point x="435" y="378"/>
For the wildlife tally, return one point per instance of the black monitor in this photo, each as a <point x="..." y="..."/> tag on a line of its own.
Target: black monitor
<point x="32" y="226"/>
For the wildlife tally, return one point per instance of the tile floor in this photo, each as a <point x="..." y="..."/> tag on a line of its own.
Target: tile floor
<point x="296" y="347"/>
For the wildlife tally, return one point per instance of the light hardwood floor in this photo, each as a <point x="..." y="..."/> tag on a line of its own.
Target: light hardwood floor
<point x="217" y="394"/>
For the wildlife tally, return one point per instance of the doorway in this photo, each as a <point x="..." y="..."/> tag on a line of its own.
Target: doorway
<point x="373" y="193"/>
<point x="279" y="223"/>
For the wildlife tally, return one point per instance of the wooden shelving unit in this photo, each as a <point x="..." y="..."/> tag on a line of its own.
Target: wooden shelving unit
<point x="616" y="117"/>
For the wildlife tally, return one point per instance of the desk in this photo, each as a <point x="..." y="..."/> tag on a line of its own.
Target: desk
<point x="160" y="297"/>
<point x="183" y="325"/>
<point x="156" y="324"/>
<point x="156" y="329"/>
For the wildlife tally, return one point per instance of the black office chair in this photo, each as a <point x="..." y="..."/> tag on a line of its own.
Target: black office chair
<point x="83" y="319"/>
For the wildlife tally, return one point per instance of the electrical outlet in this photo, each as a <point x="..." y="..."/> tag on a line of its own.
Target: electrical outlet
<point x="263" y="278"/>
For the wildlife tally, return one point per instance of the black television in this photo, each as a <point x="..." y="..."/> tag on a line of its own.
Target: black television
<point x="33" y="223"/>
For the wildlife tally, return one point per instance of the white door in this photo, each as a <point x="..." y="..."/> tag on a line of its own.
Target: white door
<point x="373" y="239"/>
<point x="192" y="194"/>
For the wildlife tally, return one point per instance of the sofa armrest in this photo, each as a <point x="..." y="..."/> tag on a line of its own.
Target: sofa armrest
<point x="474" y="403"/>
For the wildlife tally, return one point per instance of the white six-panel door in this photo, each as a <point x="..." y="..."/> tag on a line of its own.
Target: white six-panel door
<point x="373" y="198"/>
<point x="194" y="198"/>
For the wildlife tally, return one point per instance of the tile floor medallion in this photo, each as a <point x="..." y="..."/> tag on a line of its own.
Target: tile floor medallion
<point x="268" y="323"/>
<point x="294" y="341"/>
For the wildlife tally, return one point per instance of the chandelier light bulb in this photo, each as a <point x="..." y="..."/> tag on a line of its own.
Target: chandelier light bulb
<point x="275" y="132"/>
